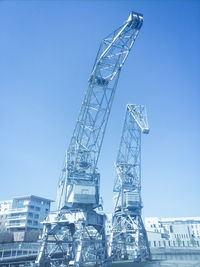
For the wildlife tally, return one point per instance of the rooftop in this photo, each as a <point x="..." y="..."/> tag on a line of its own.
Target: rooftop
<point x="27" y="197"/>
<point x="179" y="219"/>
<point x="33" y="196"/>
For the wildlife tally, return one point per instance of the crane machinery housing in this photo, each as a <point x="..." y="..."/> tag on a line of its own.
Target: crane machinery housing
<point x="128" y="239"/>
<point x="75" y="234"/>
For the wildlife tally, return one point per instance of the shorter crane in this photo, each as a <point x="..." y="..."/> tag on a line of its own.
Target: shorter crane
<point x="128" y="239"/>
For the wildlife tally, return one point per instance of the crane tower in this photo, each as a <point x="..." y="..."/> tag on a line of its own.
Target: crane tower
<point x="75" y="234"/>
<point x="128" y="239"/>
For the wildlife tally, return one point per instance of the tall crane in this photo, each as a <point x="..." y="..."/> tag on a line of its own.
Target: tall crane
<point x="128" y="238"/>
<point x="79" y="182"/>
<point x="77" y="229"/>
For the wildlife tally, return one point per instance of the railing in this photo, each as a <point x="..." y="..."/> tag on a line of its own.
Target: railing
<point x="19" y="246"/>
<point x="18" y="250"/>
<point x="19" y="210"/>
<point x="22" y="217"/>
<point x="16" y="224"/>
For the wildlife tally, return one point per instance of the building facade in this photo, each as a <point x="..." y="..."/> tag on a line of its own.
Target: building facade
<point x="108" y="224"/>
<point x="23" y="214"/>
<point x="168" y="232"/>
<point x="173" y="232"/>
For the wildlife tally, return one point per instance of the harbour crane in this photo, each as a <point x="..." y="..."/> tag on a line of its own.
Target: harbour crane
<point x="128" y="240"/>
<point x="75" y="234"/>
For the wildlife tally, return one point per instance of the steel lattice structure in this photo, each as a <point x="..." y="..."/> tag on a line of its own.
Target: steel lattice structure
<point x="129" y="239"/>
<point x="75" y="235"/>
<point x="84" y="149"/>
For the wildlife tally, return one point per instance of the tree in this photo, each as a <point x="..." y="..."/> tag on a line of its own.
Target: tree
<point x="192" y="241"/>
<point x="31" y="236"/>
<point x="178" y="241"/>
<point x="6" y="237"/>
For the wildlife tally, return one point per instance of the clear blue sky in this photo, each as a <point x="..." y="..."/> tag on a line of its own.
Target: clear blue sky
<point x="47" y="50"/>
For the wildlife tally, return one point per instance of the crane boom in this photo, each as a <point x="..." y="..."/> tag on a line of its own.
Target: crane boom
<point x="79" y="181"/>
<point x="128" y="163"/>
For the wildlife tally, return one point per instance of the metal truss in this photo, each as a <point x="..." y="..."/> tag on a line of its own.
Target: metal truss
<point x="83" y="152"/>
<point x="73" y="238"/>
<point x="76" y="234"/>
<point x="128" y="238"/>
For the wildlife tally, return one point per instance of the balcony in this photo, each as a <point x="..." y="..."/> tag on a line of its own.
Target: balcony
<point x="24" y="209"/>
<point x="13" y="218"/>
<point x="17" y="224"/>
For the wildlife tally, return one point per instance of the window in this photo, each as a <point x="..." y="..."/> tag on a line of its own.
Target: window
<point x="37" y="208"/>
<point x="169" y="243"/>
<point x="36" y="216"/>
<point x="29" y="222"/>
<point x="174" y="243"/>
<point x="154" y="243"/>
<point x="19" y="203"/>
<point x="35" y="223"/>
<point x="159" y="243"/>
<point x="84" y="191"/>
<point x="30" y="215"/>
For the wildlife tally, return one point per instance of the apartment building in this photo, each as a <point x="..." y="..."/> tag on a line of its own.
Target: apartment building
<point x="23" y="214"/>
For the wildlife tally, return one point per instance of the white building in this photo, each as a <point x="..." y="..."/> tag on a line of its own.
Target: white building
<point x="5" y="207"/>
<point x="168" y="232"/>
<point x="108" y="224"/>
<point x="173" y="232"/>
<point x="23" y="214"/>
